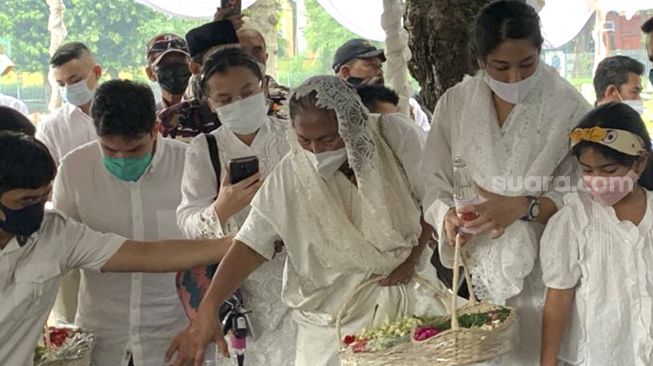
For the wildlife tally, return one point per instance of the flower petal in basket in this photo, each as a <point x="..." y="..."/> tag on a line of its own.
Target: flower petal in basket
<point x="464" y="346"/>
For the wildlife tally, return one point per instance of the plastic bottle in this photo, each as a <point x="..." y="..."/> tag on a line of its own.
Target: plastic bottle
<point x="465" y="193"/>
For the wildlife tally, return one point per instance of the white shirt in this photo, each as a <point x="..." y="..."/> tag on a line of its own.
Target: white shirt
<point x="30" y="278"/>
<point x="135" y="313"/>
<point x="274" y="329"/>
<point x="65" y="130"/>
<point x="609" y="263"/>
<point x="17" y="104"/>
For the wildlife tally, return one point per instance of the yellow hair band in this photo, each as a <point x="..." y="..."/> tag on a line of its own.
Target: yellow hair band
<point x="620" y="140"/>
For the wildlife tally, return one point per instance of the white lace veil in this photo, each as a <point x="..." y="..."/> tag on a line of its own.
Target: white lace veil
<point x="390" y="215"/>
<point x="335" y="94"/>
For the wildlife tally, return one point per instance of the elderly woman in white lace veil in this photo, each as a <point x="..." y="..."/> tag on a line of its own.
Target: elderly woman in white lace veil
<point x="509" y="123"/>
<point x="345" y="201"/>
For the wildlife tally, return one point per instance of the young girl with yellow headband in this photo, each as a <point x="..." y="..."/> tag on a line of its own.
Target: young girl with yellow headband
<point x="597" y="251"/>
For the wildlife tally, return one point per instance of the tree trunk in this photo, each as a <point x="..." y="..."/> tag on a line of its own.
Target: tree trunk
<point x="439" y="35"/>
<point x="264" y="16"/>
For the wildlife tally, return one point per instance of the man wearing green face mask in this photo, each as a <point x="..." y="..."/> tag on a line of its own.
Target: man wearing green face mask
<point x="127" y="182"/>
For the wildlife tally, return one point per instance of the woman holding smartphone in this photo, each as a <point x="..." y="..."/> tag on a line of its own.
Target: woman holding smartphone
<point x="232" y="81"/>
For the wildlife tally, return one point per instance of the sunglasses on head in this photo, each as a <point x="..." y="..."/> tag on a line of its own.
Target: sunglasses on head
<point x="164" y="45"/>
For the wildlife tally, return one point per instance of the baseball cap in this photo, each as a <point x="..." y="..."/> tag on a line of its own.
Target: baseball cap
<point x="164" y="44"/>
<point x="355" y="48"/>
<point x="207" y="36"/>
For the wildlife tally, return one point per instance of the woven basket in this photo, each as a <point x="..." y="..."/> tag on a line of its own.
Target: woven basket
<point x="454" y="347"/>
<point x="84" y="361"/>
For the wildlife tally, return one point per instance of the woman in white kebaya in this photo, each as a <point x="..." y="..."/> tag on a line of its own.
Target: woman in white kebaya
<point x="232" y="82"/>
<point x="509" y="123"/>
<point x="597" y="251"/>
<point x="346" y="203"/>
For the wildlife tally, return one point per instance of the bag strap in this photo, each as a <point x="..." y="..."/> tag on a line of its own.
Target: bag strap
<point x="215" y="156"/>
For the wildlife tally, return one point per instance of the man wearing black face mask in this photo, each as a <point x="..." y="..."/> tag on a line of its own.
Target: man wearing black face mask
<point x="357" y="61"/>
<point x="168" y="61"/>
<point x="39" y="246"/>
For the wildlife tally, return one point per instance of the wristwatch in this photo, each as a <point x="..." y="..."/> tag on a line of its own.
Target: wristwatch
<point x="533" y="209"/>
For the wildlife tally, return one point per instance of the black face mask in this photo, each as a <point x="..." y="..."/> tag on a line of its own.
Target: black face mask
<point x="23" y="222"/>
<point x="173" y="78"/>
<point x="355" y="81"/>
<point x="358" y="81"/>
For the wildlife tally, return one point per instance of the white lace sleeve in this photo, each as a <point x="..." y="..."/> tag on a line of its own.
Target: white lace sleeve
<point x="438" y="173"/>
<point x="195" y="214"/>
<point x="559" y="249"/>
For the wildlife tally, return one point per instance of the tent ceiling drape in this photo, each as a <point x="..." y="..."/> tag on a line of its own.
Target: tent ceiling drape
<point x="561" y="19"/>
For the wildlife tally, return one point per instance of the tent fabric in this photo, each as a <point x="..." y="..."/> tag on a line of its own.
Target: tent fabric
<point x="562" y="20"/>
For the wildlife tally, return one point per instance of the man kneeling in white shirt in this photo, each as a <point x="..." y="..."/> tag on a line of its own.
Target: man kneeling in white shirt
<point x="38" y="247"/>
<point x="127" y="182"/>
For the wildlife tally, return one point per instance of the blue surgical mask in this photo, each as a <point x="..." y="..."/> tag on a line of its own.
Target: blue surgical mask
<point x="77" y="94"/>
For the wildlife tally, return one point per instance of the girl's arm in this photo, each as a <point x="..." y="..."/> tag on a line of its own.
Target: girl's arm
<point x="554" y="323"/>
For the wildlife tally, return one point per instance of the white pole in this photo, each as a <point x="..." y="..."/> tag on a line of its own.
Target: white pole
<point x="58" y="33"/>
<point x="396" y="50"/>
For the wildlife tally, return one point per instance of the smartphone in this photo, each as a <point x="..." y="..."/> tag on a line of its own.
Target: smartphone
<point x="242" y="168"/>
<point x="234" y="7"/>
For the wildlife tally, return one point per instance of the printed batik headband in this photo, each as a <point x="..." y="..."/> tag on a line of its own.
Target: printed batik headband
<point x="620" y="140"/>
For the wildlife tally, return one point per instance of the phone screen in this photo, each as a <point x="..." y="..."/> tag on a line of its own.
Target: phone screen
<point x="242" y="168"/>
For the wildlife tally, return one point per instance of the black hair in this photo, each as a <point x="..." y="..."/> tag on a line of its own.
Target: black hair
<point x="614" y="71"/>
<point x="503" y="20"/>
<point x="123" y="108"/>
<point x="67" y="52"/>
<point x="198" y="59"/>
<point x="309" y="101"/>
<point x="371" y="94"/>
<point x="647" y="27"/>
<point x="25" y="162"/>
<point x="618" y="116"/>
<point x="223" y="59"/>
<point x="13" y="120"/>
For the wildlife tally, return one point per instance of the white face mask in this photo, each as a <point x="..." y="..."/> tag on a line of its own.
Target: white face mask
<point x="636" y="104"/>
<point x="77" y="94"/>
<point x="327" y="163"/>
<point x="244" y="116"/>
<point x="514" y="93"/>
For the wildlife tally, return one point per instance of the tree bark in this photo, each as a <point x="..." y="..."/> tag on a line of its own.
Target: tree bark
<point x="264" y="16"/>
<point x="439" y="36"/>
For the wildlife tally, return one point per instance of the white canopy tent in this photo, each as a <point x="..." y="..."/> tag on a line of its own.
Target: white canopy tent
<point x="562" y="20"/>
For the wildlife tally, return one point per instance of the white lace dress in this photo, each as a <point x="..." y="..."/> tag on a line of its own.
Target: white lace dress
<point x="532" y="145"/>
<point x="274" y="330"/>
<point x="317" y="282"/>
<point x="610" y="264"/>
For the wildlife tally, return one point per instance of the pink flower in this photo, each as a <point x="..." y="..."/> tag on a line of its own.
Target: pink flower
<point x="359" y="346"/>
<point x="424" y="333"/>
